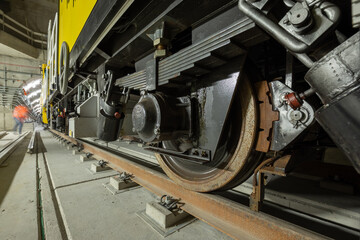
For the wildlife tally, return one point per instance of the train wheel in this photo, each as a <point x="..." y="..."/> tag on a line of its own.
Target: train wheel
<point x="235" y="158"/>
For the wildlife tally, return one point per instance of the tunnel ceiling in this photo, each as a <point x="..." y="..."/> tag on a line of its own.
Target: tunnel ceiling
<point x="17" y="63"/>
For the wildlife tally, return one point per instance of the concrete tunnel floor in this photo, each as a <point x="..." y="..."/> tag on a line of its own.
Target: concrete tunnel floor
<point x="75" y="203"/>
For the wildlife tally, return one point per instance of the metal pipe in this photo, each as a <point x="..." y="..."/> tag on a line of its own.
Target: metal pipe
<point x="307" y="93"/>
<point x="340" y="36"/>
<point x="21" y="25"/>
<point x="331" y="11"/>
<point x="289" y="3"/>
<point x="78" y="97"/>
<point x="21" y="33"/>
<point x="304" y="58"/>
<point x="18" y="72"/>
<point x="12" y="79"/>
<point x="280" y="34"/>
<point x="17" y="65"/>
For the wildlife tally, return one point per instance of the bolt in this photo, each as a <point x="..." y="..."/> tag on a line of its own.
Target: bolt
<point x="157" y="131"/>
<point x="196" y="153"/>
<point x="204" y="154"/>
<point x="168" y="199"/>
<point x="296" y="115"/>
<point x="102" y="163"/>
<point x="117" y="115"/>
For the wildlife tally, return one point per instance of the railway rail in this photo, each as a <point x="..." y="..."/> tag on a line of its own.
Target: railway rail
<point x="2" y="134"/>
<point x="225" y="215"/>
<point x="8" y="148"/>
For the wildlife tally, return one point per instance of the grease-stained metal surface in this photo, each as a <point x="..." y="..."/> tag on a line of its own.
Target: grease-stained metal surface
<point x="291" y="122"/>
<point x="225" y="215"/>
<point x="214" y="104"/>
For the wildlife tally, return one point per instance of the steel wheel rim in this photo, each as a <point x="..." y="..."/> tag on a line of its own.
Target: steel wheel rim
<point x="234" y="168"/>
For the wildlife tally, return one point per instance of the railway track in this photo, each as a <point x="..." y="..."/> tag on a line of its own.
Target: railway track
<point x="9" y="147"/>
<point x="230" y="217"/>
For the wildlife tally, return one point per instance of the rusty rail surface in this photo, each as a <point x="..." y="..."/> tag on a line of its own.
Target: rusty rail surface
<point x="234" y="219"/>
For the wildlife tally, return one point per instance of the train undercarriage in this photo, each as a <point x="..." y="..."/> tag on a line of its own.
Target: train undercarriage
<point x="217" y="89"/>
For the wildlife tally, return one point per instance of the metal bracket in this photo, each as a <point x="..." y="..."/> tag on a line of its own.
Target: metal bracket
<point x="80" y="147"/>
<point x="126" y="177"/>
<point x="109" y="83"/>
<point x="160" y="41"/>
<point x="102" y="163"/>
<point x="291" y="122"/>
<point x="276" y="166"/>
<point x="172" y="204"/>
<point x="309" y="33"/>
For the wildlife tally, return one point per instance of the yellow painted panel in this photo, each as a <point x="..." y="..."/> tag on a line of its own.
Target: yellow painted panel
<point x="44" y="116"/>
<point x="72" y="17"/>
